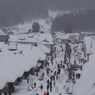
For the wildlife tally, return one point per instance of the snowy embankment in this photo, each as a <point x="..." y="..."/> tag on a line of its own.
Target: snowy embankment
<point x="85" y="85"/>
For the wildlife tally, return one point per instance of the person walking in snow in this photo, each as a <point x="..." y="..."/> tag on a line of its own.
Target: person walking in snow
<point x="41" y="87"/>
<point x="74" y="62"/>
<point x="62" y="49"/>
<point x="48" y="82"/>
<point x="57" y="76"/>
<point x="55" y="73"/>
<point x="76" y="75"/>
<point x="52" y="62"/>
<point x="64" y="61"/>
<point x="61" y="61"/>
<point x="69" y="56"/>
<point x="54" y="83"/>
<point x="63" y="66"/>
<point x="81" y="67"/>
<point x="73" y="74"/>
<point x="58" y="66"/>
<point x="59" y="71"/>
<point x="50" y="88"/>
<point x="88" y="56"/>
<point x="74" y="82"/>
<point x="47" y="87"/>
<point x="51" y="78"/>
<point x="47" y="92"/>
<point x="48" y="63"/>
<point x="83" y="61"/>
<point x="47" y="71"/>
<point x="44" y="93"/>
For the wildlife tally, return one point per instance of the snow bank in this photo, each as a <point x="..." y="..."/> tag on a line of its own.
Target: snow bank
<point x="84" y="85"/>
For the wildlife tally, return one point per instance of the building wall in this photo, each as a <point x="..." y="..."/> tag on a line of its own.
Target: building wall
<point x="4" y="38"/>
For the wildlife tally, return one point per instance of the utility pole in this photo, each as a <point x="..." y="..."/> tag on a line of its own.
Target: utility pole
<point x="91" y="41"/>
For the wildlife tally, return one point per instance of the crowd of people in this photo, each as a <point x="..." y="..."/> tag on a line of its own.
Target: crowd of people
<point x="54" y="73"/>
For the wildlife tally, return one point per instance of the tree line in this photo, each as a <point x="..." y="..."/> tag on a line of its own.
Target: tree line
<point x="76" y="21"/>
<point x="13" y="12"/>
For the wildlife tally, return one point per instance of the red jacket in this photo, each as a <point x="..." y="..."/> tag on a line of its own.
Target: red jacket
<point x="74" y="62"/>
<point x="48" y="63"/>
<point x="47" y="93"/>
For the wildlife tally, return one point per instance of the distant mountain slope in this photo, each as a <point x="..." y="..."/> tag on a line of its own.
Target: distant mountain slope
<point x="69" y="5"/>
<point x="80" y="21"/>
<point x="13" y="12"/>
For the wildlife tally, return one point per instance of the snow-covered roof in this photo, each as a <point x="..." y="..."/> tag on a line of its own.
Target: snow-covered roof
<point x="14" y="63"/>
<point x="65" y="36"/>
<point x="12" y="31"/>
<point x="1" y="32"/>
<point x="33" y="52"/>
<point x="59" y="35"/>
<point x="41" y="54"/>
<point x="21" y="38"/>
<point x="44" y="38"/>
<point x="43" y="48"/>
<point x="9" y="64"/>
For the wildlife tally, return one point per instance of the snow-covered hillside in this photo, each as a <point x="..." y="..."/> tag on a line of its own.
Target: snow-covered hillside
<point x="45" y="24"/>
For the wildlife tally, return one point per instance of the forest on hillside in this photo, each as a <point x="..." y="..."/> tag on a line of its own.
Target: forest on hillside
<point x="78" y="21"/>
<point x="13" y="12"/>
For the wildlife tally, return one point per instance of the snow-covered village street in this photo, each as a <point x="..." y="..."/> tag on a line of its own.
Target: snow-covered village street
<point x="47" y="63"/>
<point x="47" y="47"/>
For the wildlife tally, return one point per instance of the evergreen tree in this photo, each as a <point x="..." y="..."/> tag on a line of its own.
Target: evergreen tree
<point x="35" y="27"/>
<point x="68" y="28"/>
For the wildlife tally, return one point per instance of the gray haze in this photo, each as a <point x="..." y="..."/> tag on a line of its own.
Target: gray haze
<point x="13" y="12"/>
